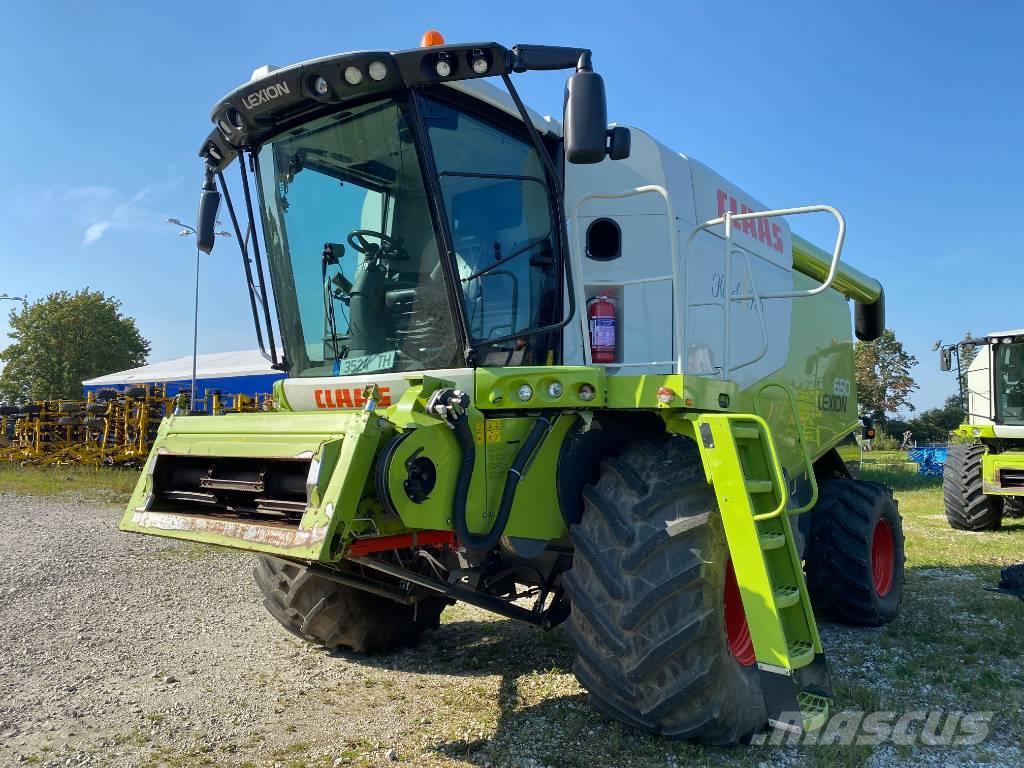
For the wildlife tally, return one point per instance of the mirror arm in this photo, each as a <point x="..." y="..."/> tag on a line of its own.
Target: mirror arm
<point x="527" y="58"/>
<point x="246" y="263"/>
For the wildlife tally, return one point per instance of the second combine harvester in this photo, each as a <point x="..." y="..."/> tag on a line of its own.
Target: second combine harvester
<point x="554" y="370"/>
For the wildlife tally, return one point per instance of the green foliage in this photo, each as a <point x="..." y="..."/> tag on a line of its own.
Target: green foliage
<point x="883" y="376"/>
<point x="933" y="425"/>
<point x="884" y="442"/>
<point x="64" y="339"/>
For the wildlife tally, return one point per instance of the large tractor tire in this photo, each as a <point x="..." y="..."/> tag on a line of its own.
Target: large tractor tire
<point x="336" y="616"/>
<point x="855" y="555"/>
<point x="967" y="507"/>
<point x="659" y="634"/>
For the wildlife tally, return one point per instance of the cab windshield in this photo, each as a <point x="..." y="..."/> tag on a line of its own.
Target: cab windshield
<point x="354" y="261"/>
<point x="1009" y="377"/>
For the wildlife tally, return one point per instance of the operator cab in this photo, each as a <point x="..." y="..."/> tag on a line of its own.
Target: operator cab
<point x="994" y="377"/>
<point x="410" y="221"/>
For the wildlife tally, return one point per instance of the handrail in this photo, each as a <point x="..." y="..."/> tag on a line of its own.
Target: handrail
<point x="808" y="464"/>
<point x="775" y="467"/>
<point x="728" y="299"/>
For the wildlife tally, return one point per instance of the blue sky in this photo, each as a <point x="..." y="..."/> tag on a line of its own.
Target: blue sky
<point x="906" y="116"/>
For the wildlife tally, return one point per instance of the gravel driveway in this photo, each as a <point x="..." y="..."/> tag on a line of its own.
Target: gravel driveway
<point x="127" y="650"/>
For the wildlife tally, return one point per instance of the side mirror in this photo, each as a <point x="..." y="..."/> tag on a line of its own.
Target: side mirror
<point x="945" y="359"/>
<point x="586" y="117"/>
<point x="206" y="217"/>
<point x="619" y="143"/>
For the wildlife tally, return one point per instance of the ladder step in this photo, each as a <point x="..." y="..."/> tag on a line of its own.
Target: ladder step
<point x="786" y="596"/>
<point x="772" y="541"/>
<point x="759" y="486"/>
<point x="746" y="433"/>
<point x="801" y="653"/>
<point x="813" y="710"/>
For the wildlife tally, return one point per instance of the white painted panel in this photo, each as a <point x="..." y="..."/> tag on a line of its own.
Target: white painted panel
<point x="979" y="385"/>
<point x="754" y="353"/>
<point x="647" y="323"/>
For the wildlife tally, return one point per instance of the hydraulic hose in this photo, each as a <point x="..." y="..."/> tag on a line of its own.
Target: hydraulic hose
<point x="459" y="422"/>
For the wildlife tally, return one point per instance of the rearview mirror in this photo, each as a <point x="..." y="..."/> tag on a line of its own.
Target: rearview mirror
<point x="206" y="218"/>
<point x="586" y="118"/>
<point x="945" y="359"/>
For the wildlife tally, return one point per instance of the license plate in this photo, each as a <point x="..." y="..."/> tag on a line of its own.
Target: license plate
<point x="352" y="366"/>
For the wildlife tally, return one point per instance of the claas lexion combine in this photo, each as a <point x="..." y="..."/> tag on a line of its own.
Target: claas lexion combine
<point x="983" y="477"/>
<point x="549" y="368"/>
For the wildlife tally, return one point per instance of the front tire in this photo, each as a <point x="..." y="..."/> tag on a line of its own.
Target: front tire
<point x="855" y="556"/>
<point x="651" y="601"/>
<point x="334" y="616"/>
<point x="967" y="506"/>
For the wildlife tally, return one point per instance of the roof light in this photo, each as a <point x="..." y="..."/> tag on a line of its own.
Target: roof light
<point x="353" y="75"/>
<point x="443" y="68"/>
<point x="378" y="70"/>
<point x="320" y="86"/>
<point x="555" y="389"/>
<point x="480" y="65"/>
<point x="586" y="393"/>
<point x="665" y="395"/>
<point x="431" y="38"/>
<point x="525" y="392"/>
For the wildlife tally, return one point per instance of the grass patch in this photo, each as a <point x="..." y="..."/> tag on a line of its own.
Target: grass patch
<point x="100" y="484"/>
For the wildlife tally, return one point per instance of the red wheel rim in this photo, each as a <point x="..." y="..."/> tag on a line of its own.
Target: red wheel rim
<point x="737" y="631"/>
<point x="883" y="557"/>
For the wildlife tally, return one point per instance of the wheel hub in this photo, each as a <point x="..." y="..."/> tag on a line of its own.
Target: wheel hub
<point x="737" y="631"/>
<point x="883" y="557"/>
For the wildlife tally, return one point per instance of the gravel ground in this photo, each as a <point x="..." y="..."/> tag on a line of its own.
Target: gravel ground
<point x="121" y="650"/>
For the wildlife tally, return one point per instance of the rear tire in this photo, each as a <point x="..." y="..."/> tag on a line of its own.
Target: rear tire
<point x="648" y="590"/>
<point x="1013" y="506"/>
<point x="855" y="556"/>
<point x="967" y="507"/>
<point x="334" y="616"/>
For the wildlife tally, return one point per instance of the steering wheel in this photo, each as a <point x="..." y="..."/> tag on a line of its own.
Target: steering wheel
<point x="389" y="247"/>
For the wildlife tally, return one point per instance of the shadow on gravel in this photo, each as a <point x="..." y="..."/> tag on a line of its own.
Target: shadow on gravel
<point x="512" y="650"/>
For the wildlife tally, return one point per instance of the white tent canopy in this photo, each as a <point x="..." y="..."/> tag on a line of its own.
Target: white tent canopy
<point x="218" y="365"/>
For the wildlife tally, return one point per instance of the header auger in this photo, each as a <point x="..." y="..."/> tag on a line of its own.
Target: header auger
<point x="444" y="264"/>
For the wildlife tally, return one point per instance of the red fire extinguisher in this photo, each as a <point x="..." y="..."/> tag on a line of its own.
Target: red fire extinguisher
<point x="601" y="314"/>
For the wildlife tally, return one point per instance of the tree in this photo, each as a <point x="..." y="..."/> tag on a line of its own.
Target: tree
<point x="935" y="424"/>
<point x="883" y="375"/>
<point x="64" y="339"/>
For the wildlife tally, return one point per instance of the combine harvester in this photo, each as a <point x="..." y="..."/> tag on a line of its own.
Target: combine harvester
<point x="534" y="361"/>
<point x="983" y="480"/>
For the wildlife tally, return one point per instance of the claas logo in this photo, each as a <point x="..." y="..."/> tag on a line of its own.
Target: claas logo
<point x="347" y="398"/>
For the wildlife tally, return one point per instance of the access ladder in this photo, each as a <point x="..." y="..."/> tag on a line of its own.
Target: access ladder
<point x="742" y="464"/>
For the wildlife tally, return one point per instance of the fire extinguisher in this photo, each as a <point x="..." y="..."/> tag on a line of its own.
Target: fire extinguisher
<point x="601" y="314"/>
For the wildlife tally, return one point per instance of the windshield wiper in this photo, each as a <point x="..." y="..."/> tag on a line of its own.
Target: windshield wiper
<point x="505" y="259"/>
<point x="331" y="255"/>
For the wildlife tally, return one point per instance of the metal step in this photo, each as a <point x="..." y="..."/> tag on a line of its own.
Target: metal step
<point x="746" y="433"/>
<point x="801" y="653"/>
<point x="759" y="486"/>
<point x="772" y="541"/>
<point x="813" y="710"/>
<point x="786" y="596"/>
